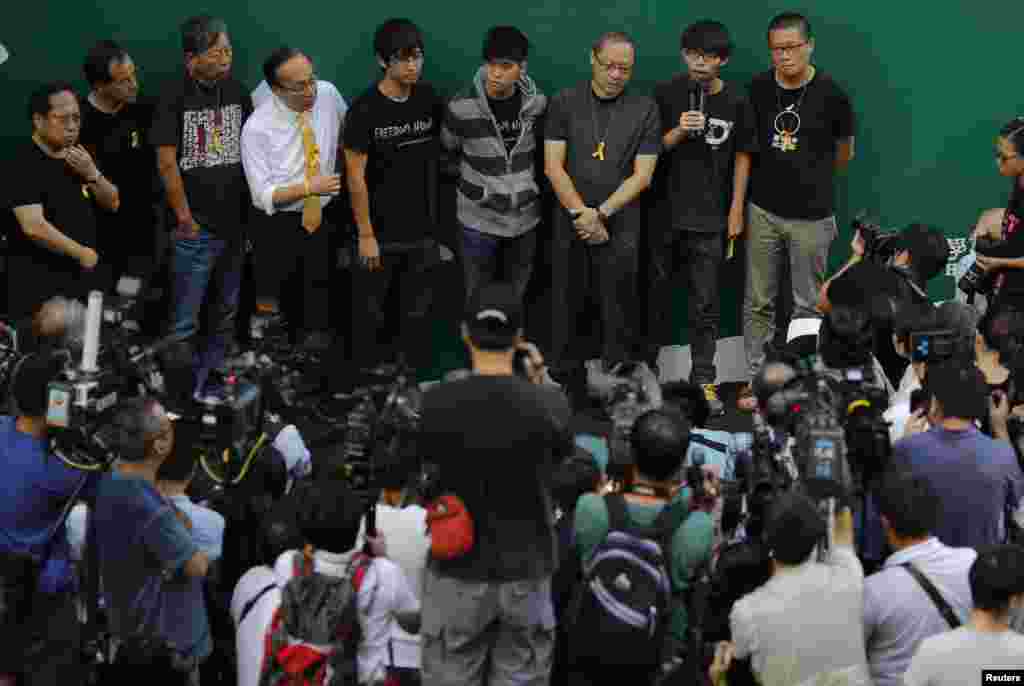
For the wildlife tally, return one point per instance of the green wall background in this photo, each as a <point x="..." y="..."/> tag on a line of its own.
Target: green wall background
<point x="930" y="82"/>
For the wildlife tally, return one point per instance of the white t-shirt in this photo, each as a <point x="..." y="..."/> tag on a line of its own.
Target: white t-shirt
<point x="957" y="657"/>
<point x="806" y="624"/>
<point x="384" y="585"/>
<point x="249" y="634"/>
<point x="405" y="530"/>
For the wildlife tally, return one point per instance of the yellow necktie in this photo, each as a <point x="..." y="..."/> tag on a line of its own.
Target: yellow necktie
<point x="312" y="211"/>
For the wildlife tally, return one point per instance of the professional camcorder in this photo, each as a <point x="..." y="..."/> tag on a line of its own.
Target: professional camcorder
<point x="625" y="395"/>
<point x="879" y="245"/>
<point x="835" y="437"/>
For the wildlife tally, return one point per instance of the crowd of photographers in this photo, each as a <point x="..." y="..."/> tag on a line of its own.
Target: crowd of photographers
<point x="505" y="549"/>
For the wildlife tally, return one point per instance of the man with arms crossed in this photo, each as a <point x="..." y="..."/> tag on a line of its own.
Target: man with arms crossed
<point x="50" y="183"/>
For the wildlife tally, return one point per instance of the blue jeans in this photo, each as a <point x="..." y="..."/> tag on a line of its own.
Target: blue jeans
<point x="486" y="258"/>
<point x="207" y="268"/>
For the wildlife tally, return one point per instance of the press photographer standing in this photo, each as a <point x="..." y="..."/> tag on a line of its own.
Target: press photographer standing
<point x="38" y="624"/>
<point x="1005" y="256"/>
<point x="496" y="439"/>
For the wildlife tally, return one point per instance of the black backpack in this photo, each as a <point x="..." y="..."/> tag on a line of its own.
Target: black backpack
<point x="621" y="611"/>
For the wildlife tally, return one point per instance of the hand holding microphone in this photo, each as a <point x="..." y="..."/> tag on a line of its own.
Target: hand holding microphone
<point x="693" y="121"/>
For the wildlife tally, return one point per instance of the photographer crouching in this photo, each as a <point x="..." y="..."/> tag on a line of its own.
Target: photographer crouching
<point x="39" y="627"/>
<point x="886" y="274"/>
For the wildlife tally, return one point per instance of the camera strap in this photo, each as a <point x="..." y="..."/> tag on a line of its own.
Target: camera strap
<point x="251" y="603"/>
<point x="908" y="275"/>
<point x="940" y="603"/>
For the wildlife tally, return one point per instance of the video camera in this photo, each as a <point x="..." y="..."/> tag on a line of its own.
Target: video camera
<point x="879" y="245"/>
<point x="377" y="420"/>
<point x="934" y="346"/>
<point x="628" y="393"/>
<point x="835" y="438"/>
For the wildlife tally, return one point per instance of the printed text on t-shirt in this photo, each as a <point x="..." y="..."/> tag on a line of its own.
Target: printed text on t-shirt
<point x="207" y="142"/>
<point x="383" y="133"/>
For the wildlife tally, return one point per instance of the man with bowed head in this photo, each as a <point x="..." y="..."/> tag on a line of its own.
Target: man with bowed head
<point x="601" y="144"/>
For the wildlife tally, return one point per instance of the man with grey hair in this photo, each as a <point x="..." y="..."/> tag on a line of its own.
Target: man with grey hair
<point x="601" y="144"/>
<point x="150" y="567"/>
<point x="197" y="133"/>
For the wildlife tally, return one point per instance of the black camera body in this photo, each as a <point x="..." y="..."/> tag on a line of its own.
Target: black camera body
<point x="879" y="245"/>
<point x="977" y="281"/>
<point x="839" y="437"/>
<point x="933" y="346"/>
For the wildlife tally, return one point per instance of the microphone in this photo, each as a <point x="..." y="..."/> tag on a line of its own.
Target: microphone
<point x="696" y="99"/>
<point x="696" y="96"/>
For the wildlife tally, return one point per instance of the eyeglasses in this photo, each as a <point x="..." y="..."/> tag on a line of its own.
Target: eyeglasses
<point x="624" y="69"/>
<point x="66" y="119"/>
<point x="781" y="50"/>
<point x="301" y="87"/>
<point x="701" y="55"/>
<point x="413" y="57"/>
<point x="126" y="82"/>
<point x="219" y="53"/>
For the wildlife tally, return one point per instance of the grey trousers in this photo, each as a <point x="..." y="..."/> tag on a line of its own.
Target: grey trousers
<point x="772" y="239"/>
<point x="486" y="634"/>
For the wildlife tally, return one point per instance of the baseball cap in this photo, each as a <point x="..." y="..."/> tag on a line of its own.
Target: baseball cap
<point x="495" y="310"/>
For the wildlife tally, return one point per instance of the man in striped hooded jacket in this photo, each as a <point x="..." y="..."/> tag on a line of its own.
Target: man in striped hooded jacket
<point x="492" y="125"/>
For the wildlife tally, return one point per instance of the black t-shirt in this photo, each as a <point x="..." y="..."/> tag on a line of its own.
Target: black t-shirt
<point x="884" y="293"/>
<point x="205" y="124"/>
<point x="402" y="142"/>
<point x="35" y="178"/>
<point x="497" y="440"/>
<point x="797" y="183"/>
<point x="123" y="152"/>
<point x="1010" y="281"/>
<point x="860" y="286"/>
<point x="628" y="125"/>
<point x="506" y="114"/>
<point x="696" y="176"/>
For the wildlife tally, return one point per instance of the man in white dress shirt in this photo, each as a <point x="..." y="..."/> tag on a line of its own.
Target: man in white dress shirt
<point x="289" y="151"/>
